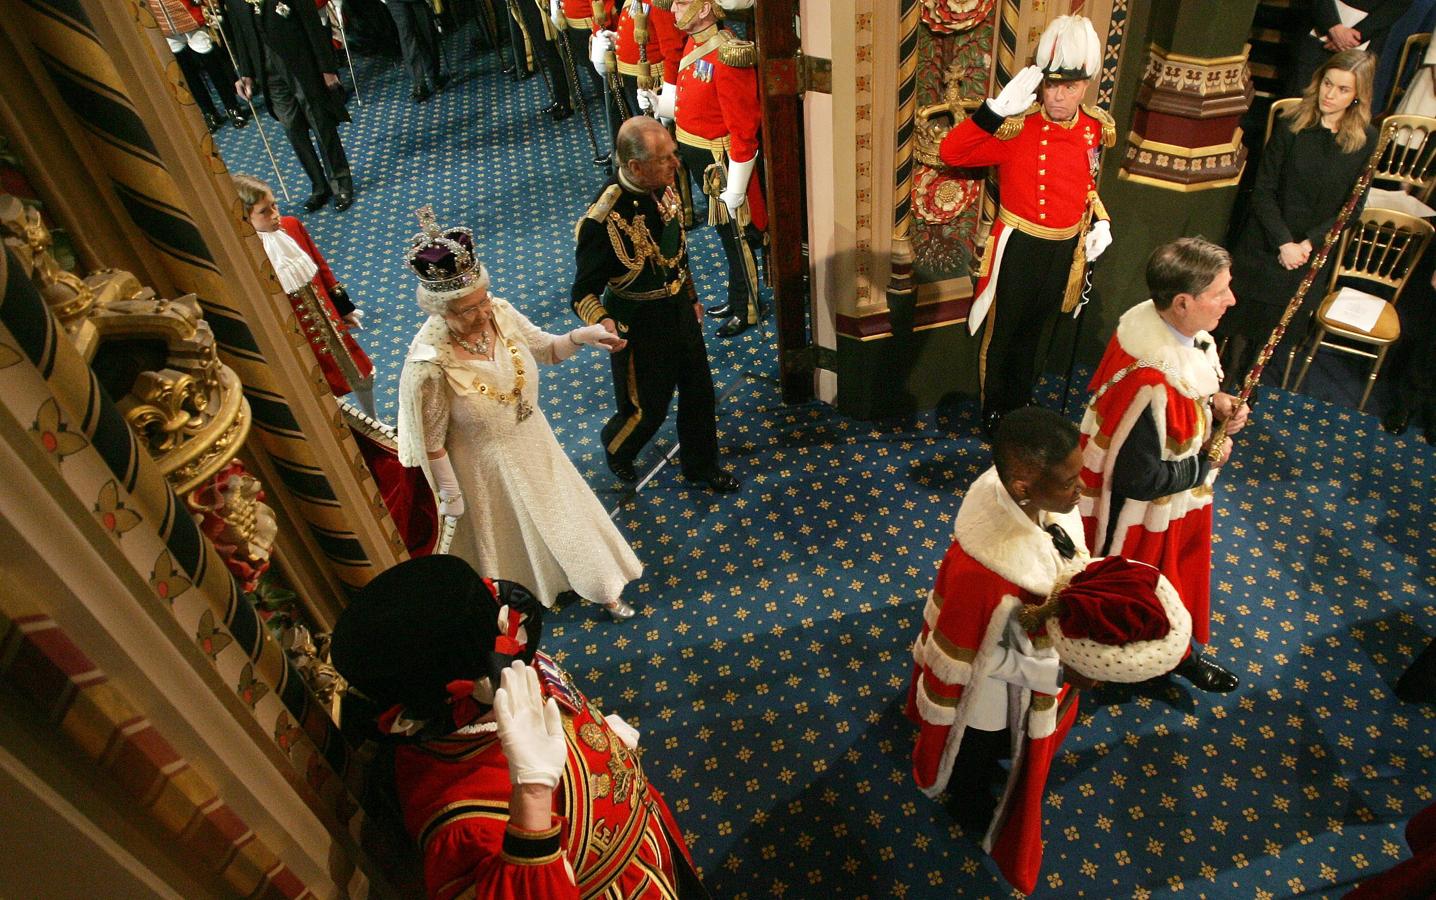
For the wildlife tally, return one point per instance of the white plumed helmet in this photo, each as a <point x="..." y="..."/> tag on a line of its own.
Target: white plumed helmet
<point x="1069" y="49"/>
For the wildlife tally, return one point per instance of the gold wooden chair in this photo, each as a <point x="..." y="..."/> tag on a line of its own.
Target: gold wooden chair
<point x="1278" y="107"/>
<point x="1381" y="248"/>
<point x="1415" y="46"/>
<point x="1409" y="158"/>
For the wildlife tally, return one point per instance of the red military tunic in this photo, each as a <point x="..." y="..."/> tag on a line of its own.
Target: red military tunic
<point x="1146" y="372"/>
<point x="324" y="283"/>
<point x="718" y="106"/>
<point x="589" y="15"/>
<point x="614" y="830"/>
<point x="1045" y="177"/>
<point x="665" y="44"/>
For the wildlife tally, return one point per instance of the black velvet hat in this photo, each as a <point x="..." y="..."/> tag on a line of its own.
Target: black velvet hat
<point x="426" y="623"/>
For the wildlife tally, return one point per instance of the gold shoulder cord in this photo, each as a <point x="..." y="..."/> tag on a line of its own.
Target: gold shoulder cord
<point x="644" y="247"/>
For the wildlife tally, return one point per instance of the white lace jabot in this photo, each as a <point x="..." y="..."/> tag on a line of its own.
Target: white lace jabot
<point x="291" y="263"/>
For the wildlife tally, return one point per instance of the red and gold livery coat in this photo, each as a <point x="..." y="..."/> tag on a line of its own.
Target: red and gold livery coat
<point x="588" y="15"/>
<point x="718" y="106"/>
<point x="613" y="835"/>
<point x="176" y="18"/>
<point x="336" y="304"/>
<point x="665" y="44"/>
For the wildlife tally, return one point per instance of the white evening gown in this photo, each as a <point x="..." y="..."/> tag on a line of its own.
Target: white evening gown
<point x="529" y="516"/>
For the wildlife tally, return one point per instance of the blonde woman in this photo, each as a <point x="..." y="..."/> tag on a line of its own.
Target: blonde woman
<point x="1312" y="159"/>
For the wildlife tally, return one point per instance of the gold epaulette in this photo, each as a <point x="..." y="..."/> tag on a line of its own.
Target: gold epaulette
<point x="665" y="5"/>
<point x="1012" y="126"/>
<point x="600" y="208"/>
<point x="738" y="54"/>
<point x="1109" y="125"/>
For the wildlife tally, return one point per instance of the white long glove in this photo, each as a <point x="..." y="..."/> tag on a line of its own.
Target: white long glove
<point x="598" y="48"/>
<point x="446" y="483"/>
<point x="1099" y="238"/>
<point x="596" y="336"/>
<point x="626" y="732"/>
<point x="736" y="193"/>
<point x="1020" y="93"/>
<point x="555" y="13"/>
<point x="665" y="103"/>
<point x="530" y="728"/>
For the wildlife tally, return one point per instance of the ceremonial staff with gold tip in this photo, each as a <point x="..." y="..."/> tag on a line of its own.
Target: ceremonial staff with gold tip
<point x="215" y="16"/>
<point x="337" y="12"/>
<point x="1318" y="262"/>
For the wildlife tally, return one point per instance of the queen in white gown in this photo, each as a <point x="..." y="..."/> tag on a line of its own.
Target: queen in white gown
<point x="469" y="414"/>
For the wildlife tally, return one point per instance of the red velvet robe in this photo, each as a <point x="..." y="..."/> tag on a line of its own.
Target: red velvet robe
<point x="998" y="561"/>
<point x="614" y="828"/>
<point x="323" y="282"/>
<point x="1145" y="371"/>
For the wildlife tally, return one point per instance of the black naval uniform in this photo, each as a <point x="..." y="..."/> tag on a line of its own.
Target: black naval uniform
<point x="283" y="46"/>
<point x="543" y="49"/>
<point x="633" y="268"/>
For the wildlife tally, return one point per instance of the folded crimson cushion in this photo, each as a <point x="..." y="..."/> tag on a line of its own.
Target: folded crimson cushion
<point x="1114" y="601"/>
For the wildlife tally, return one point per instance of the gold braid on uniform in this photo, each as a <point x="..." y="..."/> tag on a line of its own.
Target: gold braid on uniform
<point x="1109" y="125"/>
<point x="1011" y="126"/>
<point x="644" y="247"/>
<point x="665" y="5"/>
<point x="738" y="54"/>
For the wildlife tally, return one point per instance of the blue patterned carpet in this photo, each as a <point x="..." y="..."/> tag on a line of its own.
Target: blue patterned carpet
<point x="768" y="669"/>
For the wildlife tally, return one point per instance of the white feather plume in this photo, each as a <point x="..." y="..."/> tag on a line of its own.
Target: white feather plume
<point x="1069" y="42"/>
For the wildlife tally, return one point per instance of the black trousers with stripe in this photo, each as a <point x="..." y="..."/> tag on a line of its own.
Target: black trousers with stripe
<point x="742" y="266"/>
<point x="1030" y="285"/>
<point x="665" y="354"/>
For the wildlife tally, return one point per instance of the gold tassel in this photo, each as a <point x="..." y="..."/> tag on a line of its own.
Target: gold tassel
<point x="1031" y="617"/>
<point x="713" y="179"/>
<point x="1072" y="294"/>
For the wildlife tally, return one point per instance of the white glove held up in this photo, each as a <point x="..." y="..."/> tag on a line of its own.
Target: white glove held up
<point x="647" y="100"/>
<point x="735" y="194"/>
<point x="598" y="51"/>
<point x="555" y="13"/>
<point x="446" y="483"/>
<point x="530" y="728"/>
<point x="625" y="732"/>
<point x="1099" y="238"/>
<point x="596" y="336"/>
<point x="667" y="101"/>
<point x="1019" y="93"/>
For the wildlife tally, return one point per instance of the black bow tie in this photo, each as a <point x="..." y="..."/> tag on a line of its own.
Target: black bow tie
<point x="1202" y="345"/>
<point x="1062" y="541"/>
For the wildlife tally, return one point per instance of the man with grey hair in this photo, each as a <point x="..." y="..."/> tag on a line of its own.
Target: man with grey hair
<point x="1149" y="431"/>
<point x="633" y="279"/>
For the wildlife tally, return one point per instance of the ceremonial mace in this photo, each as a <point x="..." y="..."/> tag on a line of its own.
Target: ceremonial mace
<point x="339" y="20"/>
<point x="639" y="13"/>
<point x="599" y="157"/>
<point x="212" y="12"/>
<point x="1313" y="269"/>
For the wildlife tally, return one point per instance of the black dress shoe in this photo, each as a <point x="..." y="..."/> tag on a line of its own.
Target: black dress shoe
<point x="213" y="122"/>
<point x="343" y="200"/>
<point x="716" y="480"/>
<point x="721" y="311"/>
<point x="622" y="468"/>
<point x="1396" y="421"/>
<point x="522" y="74"/>
<point x="440" y="81"/>
<point x="237" y="118"/>
<point x="732" y="326"/>
<point x="990" y="420"/>
<point x="419" y="94"/>
<point x="316" y="200"/>
<point x="558" y="111"/>
<point x="1206" y="674"/>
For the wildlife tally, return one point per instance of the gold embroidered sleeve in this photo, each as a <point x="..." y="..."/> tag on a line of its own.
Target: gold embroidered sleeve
<point x="434" y="401"/>
<point x="590" y="309"/>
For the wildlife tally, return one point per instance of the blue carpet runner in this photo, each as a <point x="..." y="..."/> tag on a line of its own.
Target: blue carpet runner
<point x="768" y="667"/>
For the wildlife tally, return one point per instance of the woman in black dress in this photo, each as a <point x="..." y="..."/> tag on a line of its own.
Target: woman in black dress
<point x="1310" y="163"/>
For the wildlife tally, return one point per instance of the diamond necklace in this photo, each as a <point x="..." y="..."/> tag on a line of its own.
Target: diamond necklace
<point x="478" y="348"/>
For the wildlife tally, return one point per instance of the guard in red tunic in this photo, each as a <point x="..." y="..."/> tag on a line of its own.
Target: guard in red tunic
<point x="1147" y="478"/>
<point x="647" y="47"/>
<point x="183" y="24"/>
<point x="717" y="114"/>
<point x="510" y="781"/>
<point x="1050" y="222"/>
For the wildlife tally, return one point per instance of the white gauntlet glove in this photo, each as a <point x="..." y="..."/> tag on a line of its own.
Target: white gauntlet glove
<point x="555" y="13"/>
<point x="667" y="101"/>
<point x="594" y="336"/>
<point x="530" y="728"/>
<point x="1099" y="238"/>
<point x="1020" y="93"/>
<point x="598" y="47"/>
<point x="446" y="484"/>
<point x="735" y="193"/>
<point x="625" y="732"/>
<point x="647" y="100"/>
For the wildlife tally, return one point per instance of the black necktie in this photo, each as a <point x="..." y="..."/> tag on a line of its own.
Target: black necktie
<point x="1061" y="541"/>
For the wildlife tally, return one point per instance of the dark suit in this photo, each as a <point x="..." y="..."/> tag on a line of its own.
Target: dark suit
<point x="287" y="55"/>
<point x="543" y="49"/>
<point x="1310" y="54"/>
<point x="418" y="39"/>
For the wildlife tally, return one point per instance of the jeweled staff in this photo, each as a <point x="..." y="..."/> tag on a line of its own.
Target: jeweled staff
<point x="212" y="13"/>
<point x="1318" y="262"/>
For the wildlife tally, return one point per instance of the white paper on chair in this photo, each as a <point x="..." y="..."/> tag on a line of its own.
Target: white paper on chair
<point x="1355" y="308"/>
<point x="1398" y="201"/>
<point x="1349" y="16"/>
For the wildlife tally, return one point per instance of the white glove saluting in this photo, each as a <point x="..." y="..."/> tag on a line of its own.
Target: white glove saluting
<point x="530" y="728"/>
<point x="1020" y="93"/>
<point x="1099" y="238"/>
